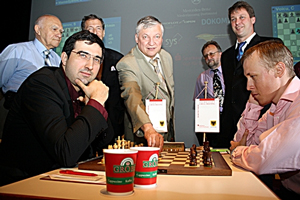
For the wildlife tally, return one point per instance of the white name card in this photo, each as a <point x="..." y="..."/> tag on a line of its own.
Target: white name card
<point x="156" y="109"/>
<point x="207" y="115"/>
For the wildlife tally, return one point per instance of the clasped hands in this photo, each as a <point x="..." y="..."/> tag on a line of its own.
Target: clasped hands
<point x="242" y="142"/>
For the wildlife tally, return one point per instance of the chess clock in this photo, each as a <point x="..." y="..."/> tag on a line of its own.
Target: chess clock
<point x="173" y="146"/>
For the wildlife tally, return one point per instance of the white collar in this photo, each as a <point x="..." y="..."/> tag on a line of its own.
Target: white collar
<point x="247" y="41"/>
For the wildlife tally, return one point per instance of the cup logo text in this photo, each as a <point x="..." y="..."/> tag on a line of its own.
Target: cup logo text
<point x="127" y="165"/>
<point x="153" y="161"/>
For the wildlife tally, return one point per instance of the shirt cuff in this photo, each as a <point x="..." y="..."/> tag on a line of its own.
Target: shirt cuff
<point x="252" y="111"/>
<point x="99" y="107"/>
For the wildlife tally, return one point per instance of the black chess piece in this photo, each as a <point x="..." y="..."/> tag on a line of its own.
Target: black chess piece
<point x="206" y="146"/>
<point x="193" y="159"/>
<point x="190" y="155"/>
<point x="208" y="159"/>
<point x="195" y="148"/>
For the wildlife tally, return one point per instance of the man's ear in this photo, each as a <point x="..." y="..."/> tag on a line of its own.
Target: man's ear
<point x="37" y="29"/>
<point x="253" y="20"/>
<point x="136" y="38"/>
<point x="64" y="58"/>
<point x="280" y="69"/>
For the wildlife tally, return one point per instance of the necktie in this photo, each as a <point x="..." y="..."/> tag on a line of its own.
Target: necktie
<point x="47" y="59"/>
<point x="154" y="63"/>
<point x="240" y="51"/>
<point x="218" y="92"/>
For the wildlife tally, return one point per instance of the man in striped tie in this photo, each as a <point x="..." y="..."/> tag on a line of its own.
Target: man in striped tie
<point x="212" y="53"/>
<point x="18" y="61"/>
<point x="140" y="71"/>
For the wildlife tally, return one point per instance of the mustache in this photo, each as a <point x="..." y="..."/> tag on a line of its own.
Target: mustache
<point x="86" y="70"/>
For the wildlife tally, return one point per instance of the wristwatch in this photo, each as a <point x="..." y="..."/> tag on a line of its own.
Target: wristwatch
<point x="139" y="133"/>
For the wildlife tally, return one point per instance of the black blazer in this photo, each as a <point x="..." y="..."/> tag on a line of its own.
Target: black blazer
<point x="236" y="94"/>
<point x="114" y="104"/>
<point x="41" y="133"/>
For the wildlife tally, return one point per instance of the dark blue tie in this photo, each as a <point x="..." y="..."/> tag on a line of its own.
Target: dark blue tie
<point x="240" y="52"/>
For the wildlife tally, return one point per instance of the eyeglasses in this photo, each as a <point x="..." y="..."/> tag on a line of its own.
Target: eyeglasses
<point x="86" y="56"/>
<point x="212" y="54"/>
<point x="97" y="29"/>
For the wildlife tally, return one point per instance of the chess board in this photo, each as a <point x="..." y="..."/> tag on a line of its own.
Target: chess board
<point x="286" y="26"/>
<point x="176" y="163"/>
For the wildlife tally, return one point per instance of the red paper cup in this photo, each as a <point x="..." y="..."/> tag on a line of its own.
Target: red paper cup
<point x="146" y="166"/>
<point x="120" y="170"/>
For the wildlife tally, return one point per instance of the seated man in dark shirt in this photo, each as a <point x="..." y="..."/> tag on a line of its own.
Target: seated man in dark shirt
<point x="57" y="118"/>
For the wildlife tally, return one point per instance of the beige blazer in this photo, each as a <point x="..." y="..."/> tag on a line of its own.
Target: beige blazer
<point x="138" y="79"/>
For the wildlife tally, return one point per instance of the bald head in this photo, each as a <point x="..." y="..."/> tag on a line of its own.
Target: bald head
<point x="48" y="30"/>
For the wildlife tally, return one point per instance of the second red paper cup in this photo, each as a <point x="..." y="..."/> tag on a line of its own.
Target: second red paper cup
<point x="146" y="166"/>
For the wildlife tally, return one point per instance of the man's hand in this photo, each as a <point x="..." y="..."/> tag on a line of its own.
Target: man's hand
<point x="154" y="139"/>
<point x="252" y="100"/>
<point x="242" y="142"/>
<point x="96" y="90"/>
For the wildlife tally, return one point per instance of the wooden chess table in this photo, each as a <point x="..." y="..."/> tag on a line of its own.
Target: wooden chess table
<point x="176" y="163"/>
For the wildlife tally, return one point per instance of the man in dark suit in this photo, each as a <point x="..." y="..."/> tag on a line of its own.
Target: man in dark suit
<point x="242" y="18"/>
<point x="58" y="116"/>
<point x="109" y="75"/>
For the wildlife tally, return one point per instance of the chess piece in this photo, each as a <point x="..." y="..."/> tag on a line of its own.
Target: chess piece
<point x="195" y="148"/>
<point x="123" y="143"/>
<point x="119" y="142"/>
<point x="190" y="155"/>
<point x="206" y="146"/>
<point x="115" y="146"/>
<point x="206" y="150"/>
<point x="204" y="156"/>
<point x="193" y="159"/>
<point x="131" y="144"/>
<point x="208" y="159"/>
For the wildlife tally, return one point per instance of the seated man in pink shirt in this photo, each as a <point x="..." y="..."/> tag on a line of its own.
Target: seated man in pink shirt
<point x="271" y="144"/>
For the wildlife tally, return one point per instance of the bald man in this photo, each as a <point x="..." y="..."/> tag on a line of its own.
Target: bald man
<point x="18" y="61"/>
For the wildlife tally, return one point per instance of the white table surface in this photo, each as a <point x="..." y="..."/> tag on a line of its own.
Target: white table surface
<point x="241" y="185"/>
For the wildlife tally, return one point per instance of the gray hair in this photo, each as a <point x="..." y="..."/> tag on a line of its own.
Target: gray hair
<point x="147" y="22"/>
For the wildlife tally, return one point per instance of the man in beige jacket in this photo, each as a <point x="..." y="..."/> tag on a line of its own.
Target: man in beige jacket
<point x="138" y="79"/>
